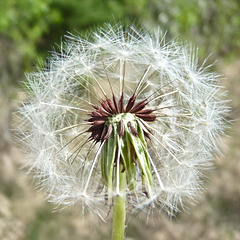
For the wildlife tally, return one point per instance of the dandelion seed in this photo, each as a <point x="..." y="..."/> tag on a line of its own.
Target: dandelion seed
<point x="124" y="117"/>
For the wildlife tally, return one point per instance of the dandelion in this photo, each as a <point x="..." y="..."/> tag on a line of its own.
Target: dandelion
<point x="123" y="119"/>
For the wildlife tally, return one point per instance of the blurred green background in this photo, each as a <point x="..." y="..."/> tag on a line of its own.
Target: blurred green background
<point x="29" y="29"/>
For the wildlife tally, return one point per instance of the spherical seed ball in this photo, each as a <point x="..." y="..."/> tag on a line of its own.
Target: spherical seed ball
<point x="130" y="95"/>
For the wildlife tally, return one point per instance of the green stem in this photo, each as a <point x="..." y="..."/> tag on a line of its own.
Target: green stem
<point x="119" y="210"/>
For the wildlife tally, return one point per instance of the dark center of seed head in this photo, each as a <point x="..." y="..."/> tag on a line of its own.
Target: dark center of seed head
<point x="101" y="128"/>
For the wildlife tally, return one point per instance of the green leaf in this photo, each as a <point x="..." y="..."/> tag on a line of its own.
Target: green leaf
<point x="142" y="156"/>
<point x="129" y="164"/>
<point x="107" y="159"/>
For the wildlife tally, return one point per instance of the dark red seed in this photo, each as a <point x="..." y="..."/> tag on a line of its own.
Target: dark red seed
<point x="133" y="129"/>
<point x="115" y="104"/>
<point x="146" y="135"/>
<point x="111" y="105"/>
<point x="96" y="132"/>
<point x="95" y="128"/>
<point x="147" y="117"/>
<point x="139" y="106"/>
<point x="105" y="106"/>
<point x="130" y="103"/>
<point x="95" y="114"/>
<point x="96" y="107"/>
<point x="104" y="113"/>
<point x="99" y="122"/>
<point x="109" y="132"/>
<point x="97" y="137"/>
<point x="120" y="104"/>
<point x="145" y="111"/>
<point x="97" y="119"/>
<point x="104" y="132"/>
<point x="121" y="129"/>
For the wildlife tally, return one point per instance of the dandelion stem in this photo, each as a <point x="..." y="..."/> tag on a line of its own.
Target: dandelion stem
<point x="119" y="209"/>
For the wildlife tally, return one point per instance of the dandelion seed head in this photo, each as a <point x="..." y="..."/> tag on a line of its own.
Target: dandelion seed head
<point x="124" y="101"/>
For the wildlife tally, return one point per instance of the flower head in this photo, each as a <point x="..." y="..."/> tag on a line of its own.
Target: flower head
<point x="124" y="103"/>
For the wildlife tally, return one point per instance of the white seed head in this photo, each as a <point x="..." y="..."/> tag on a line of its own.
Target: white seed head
<point x="163" y="147"/>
